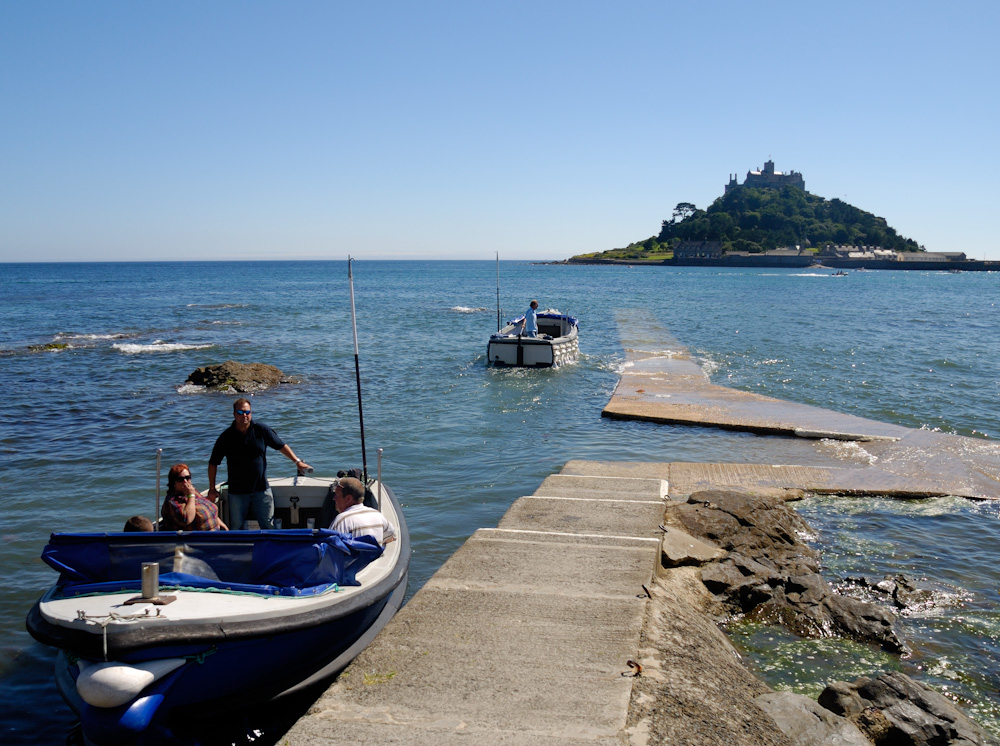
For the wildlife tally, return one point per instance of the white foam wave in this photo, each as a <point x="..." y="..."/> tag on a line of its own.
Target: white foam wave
<point x="669" y="353"/>
<point x="191" y="388"/>
<point x="467" y="309"/>
<point x="70" y="335"/>
<point x="849" y="450"/>
<point x="217" y="305"/>
<point x="157" y="346"/>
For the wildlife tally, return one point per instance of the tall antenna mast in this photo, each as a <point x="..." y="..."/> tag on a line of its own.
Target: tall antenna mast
<point x="357" y="368"/>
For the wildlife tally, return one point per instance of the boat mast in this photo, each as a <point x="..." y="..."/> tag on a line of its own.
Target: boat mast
<point x="357" y="369"/>
<point x="498" y="291"/>
<point x="156" y="505"/>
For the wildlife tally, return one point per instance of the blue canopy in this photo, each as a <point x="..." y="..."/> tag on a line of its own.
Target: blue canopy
<point x="281" y="563"/>
<point x="571" y="319"/>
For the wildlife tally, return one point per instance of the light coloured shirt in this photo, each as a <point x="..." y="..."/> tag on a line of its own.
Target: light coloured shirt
<point x="531" y="322"/>
<point x="360" y="520"/>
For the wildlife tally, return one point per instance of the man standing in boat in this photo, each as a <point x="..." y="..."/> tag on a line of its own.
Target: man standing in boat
<point x="531" y="320"/>
<point x="244" y="446"/>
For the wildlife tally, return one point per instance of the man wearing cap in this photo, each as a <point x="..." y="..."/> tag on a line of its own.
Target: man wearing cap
<point x="356" y="519"/>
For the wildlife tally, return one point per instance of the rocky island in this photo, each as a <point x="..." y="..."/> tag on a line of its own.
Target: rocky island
<point x="770" y="220"/>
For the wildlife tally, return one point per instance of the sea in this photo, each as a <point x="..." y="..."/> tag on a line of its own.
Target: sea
<point x="94" y="359"/>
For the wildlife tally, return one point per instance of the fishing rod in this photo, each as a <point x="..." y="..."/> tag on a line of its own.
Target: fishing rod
<point x="156" y="505"/>
<point x="357" y="370"/>
<point x="498" y="291"/>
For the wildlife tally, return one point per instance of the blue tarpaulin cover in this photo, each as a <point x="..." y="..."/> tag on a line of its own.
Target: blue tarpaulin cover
<point x="294" y="562"/>
<point x="571" y="319"/>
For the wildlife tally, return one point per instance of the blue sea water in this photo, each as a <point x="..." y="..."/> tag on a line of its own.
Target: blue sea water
<point x="93" y="359"/>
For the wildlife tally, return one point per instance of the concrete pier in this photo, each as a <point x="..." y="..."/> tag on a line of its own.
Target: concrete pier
<point x="531" y="633"/>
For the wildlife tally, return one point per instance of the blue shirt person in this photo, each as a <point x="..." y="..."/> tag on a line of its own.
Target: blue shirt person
<point x="244" y="446"/>
<point x="531" y="320"/>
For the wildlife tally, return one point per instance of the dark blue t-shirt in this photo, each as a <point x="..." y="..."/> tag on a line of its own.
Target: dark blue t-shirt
<point x="246" y="456"/>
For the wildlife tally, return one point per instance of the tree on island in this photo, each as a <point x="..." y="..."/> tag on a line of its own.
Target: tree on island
<point x="757" y="220"/>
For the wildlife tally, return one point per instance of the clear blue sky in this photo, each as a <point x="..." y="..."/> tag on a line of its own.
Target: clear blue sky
<point x="436" y="130"/>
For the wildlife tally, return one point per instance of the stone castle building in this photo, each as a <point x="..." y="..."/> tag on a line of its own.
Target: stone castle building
<point x="768" y="178"/>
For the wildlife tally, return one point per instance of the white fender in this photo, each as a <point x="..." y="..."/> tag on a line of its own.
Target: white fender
<point x="113" y="684"/>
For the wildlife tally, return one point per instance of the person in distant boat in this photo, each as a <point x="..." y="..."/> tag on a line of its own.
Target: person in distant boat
<point x="186" y="509"/>
<point x="138" y="523"/>
<point x="355" y="518"/>
<point x="244" y="446"/>
<point x="531" y="320"/>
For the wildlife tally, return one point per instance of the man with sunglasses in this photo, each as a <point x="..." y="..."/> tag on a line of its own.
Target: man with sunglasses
<point x="244" y="446"/>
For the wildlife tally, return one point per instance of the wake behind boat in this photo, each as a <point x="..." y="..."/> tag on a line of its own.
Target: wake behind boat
<point x="237" y="617"/>
<point x="557" y="342"/>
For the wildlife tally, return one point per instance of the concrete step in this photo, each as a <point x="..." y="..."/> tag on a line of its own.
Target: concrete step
<point x="586" y="516"/>
<point x="612" y="487"/>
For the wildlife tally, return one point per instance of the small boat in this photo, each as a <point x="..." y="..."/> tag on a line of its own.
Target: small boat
<point x="557" y="342"/>
<point x="841" y="273"/>
<point x="161" y="629"/>
<point x="235" y="617"/>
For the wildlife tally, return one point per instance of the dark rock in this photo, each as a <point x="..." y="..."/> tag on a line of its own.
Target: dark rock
<point x="770" y="574"/>
<point x="242" y="378"/>
<point x="806" y="723"/>
<point x="895" y="709"/>
<point x="904" y="592"/>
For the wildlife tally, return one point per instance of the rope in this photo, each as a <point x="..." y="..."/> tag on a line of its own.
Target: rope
<point x="113" y="616"/>
<point x="189" y="589"/>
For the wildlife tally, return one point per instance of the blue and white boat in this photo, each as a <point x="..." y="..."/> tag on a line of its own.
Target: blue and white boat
<point x="557" y="342"/>
<point x="235" y="618"/>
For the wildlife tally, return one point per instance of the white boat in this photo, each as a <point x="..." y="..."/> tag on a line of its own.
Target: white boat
<point x="557" y="342"/>
<point x="158" y="630"/>
<point x="236" y="617"/>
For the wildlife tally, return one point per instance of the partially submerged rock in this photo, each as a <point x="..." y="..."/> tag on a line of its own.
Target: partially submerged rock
<point x="769" y="574"/>
<point x="235" y="377"/>
<point x="895" y="709"/>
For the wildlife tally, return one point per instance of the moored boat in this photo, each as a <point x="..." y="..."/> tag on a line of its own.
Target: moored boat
<point x="159" y="629"/>
<point x="236" y="617"/>
<point x="557" y="342"/>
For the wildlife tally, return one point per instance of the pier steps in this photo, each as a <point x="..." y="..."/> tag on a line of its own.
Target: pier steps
<point x="521" y="637"/>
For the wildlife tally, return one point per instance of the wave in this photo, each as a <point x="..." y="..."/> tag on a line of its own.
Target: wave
<point x="158" y="346"/>
<point x="466" y="309"/>
<point x="73" y="335"/>
<point x="218" y="305"/>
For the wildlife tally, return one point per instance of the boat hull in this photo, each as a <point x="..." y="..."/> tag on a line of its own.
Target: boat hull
<point x="524" y="352"/>
<point x="233" y="650"/>
<point x="557" y="343"/>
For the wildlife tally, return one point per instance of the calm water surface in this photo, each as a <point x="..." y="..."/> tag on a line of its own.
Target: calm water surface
<point x="81" y="421"/>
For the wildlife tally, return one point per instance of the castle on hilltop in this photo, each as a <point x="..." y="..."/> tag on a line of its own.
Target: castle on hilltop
<point x="768" y="178"/>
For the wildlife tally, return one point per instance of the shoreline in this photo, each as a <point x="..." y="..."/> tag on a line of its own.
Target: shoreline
<point x="969" y="265"/>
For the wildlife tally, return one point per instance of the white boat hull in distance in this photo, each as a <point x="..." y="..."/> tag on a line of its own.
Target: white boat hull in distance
<point x="557" y="343"/>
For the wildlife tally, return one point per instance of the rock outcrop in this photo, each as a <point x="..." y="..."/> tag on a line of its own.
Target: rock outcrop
<point x="767" y="572"/>
<point x="234" y="377"/>
<point x="893" y="709"/>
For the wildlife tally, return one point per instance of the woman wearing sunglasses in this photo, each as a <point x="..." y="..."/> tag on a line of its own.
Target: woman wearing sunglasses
<point x="185" y="508"/>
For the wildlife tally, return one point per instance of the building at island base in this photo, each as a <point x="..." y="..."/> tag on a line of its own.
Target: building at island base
<point x="711" y="254"/>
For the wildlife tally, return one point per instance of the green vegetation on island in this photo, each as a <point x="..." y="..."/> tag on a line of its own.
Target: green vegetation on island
<point x="756" y="220"/>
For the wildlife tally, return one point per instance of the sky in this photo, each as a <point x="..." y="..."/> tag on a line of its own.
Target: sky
<point x="537" y="130"/>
